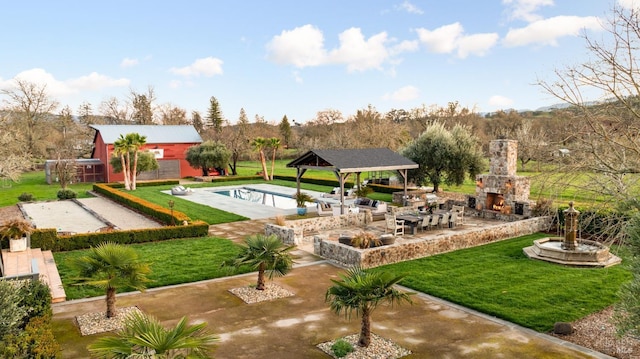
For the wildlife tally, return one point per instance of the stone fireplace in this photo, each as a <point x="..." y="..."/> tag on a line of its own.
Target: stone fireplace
<point x="502" y="191"/>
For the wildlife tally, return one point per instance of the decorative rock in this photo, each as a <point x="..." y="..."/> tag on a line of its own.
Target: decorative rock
<point x="562" y="328"/>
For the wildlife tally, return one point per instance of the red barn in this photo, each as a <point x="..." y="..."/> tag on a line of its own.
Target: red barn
<point x="169" y="143"/>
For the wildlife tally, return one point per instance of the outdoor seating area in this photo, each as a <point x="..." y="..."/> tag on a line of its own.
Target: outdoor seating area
<point x="335" y="193"/>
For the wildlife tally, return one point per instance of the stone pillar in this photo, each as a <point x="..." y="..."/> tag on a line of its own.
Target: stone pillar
<point x="503" y="157"/>
<point x="570" y="228"/>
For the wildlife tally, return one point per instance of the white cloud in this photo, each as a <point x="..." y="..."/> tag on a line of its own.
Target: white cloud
<point x="208" y="67"/>
<point x="410" y="8"/>
<point x="55" y="88"/>
<point x="301" y="47"/>
<point x="304" y="47"/>
<point x="358" y="53"/>
<point x="404" y="46"/>
<point x="630" y="4"/>
<point x="451" y="38"/>
<point x="95" y="81"/>
<point x="500" y="102"/>
<point x="441" y="40"/>
<point x="406" y="93"/>
<point x="296" y="77"/>
<point x="174" y="84"/>
<point x="524" y="9"/>
<point x="127" y="62"/>
<point x="477" y="44"/>
<point x="547" y="31"/>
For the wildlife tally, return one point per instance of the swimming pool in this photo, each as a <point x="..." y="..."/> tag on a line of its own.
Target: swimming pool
<point x="266" y="198"/>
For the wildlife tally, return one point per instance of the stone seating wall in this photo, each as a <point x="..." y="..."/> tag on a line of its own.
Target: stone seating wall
<point x="404" y="250"/>
<point x="294" y="232"/>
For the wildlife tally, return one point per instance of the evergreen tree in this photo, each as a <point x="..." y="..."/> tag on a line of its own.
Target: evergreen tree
<point x="214" y="115"/>
<point x="196" y="121"/>
<point x="285" y="130"/>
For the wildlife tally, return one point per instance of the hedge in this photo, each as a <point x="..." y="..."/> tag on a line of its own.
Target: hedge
<point x="47" y="238"/>
<point x="153" y="210"/>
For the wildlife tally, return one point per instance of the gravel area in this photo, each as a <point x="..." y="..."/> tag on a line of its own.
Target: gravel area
<point x="598" y="332"/>
<point x="97" y="322"/>
<point x="379" y="348"/>
<point x="271" y="291"/>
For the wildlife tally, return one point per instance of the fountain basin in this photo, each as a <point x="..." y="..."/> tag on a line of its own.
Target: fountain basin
<point x="587" y="253"/>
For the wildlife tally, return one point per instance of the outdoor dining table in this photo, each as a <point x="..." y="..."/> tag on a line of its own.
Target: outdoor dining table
<point x="411" y="220"/>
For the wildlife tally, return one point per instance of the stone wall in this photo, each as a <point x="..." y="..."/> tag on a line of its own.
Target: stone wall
<point x="404" y="250"/>
<point x="293" y="232"/>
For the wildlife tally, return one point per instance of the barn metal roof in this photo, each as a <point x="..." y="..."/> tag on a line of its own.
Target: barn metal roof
<point x="353" y="160"/>
<point x="154" y="133"/>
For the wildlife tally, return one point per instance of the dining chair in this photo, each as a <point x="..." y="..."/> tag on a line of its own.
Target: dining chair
<point x="425" y="222"/>
<point x="444" y="221"/>
<point x="393" y="224"/>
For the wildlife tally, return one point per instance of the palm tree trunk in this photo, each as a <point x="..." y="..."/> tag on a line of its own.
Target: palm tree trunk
<point x="365" y="330"/>
<point x="263" y="159"/>
<point x="273" y="163"/>
<point x="124" y="164"/>
<point x="111" y="302"/>
<point x="134" y="170"/>
<point x="260" y="285"/>
<point x="126" y="170"/>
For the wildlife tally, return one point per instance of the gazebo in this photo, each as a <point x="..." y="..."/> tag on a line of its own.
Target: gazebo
<point x="344" y="162"/>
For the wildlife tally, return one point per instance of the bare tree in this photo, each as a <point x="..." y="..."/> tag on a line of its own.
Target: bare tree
<point x="172" y="115"/>
<point x="603" y="137"/>
<point x="30" y="107"/>
<point x="142" y="105"/>
<point x="114" y="112"/>
<point x="531" y="143"/>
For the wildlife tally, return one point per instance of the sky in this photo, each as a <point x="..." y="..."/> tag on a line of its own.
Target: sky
<point x="296" y="58"/>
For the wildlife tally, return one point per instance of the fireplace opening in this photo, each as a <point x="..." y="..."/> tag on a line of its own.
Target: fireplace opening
<point x="495" y="201"/>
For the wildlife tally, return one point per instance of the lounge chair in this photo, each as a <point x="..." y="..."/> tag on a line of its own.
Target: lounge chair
<point x="324" y="209"/>
<point x="181" y="191"/>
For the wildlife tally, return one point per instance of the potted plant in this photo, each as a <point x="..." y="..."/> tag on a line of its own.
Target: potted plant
<point x="364" y="240"/>
<point x="301" y="202"/>
<point x="16" y="231"/>
<point x="363" y="191"/>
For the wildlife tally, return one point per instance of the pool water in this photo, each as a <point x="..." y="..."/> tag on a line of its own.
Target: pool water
<point x="270" y="199"/>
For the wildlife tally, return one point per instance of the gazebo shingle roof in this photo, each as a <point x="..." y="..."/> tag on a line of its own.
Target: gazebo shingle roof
<point x="353" y="160"/>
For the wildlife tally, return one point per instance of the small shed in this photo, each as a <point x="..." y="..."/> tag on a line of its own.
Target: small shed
<point x="344" y="162"/>
<point x="87" y="170"/>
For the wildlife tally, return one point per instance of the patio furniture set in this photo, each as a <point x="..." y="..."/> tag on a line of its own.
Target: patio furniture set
<point x="424" y="220"/>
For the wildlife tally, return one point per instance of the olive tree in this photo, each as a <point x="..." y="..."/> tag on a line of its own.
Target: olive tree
<point x="209" y="154"/>
<point x="444" y="156"/>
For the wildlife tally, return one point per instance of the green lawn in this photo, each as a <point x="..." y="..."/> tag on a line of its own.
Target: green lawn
<point x="35" y="183"/>
<point x="172" y="262"/>
<point x="499" y="280"/>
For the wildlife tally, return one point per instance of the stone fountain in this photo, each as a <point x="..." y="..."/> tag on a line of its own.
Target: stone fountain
<point x="572" y="250"/>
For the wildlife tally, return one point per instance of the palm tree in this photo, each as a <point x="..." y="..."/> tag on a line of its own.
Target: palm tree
<point x="362" y="291"/>
<point x="258" y="144"/>
<point x="144" y="337"/>
<point x="274" y="143"/>
<point x="121" y="149"/>
<point x="265" y="254"/>
<point x="111" y="266"/>
<point x="124" y="146"/>
<point x="136" y="141"/>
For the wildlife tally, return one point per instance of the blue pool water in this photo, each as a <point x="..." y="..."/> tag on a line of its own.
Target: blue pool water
<point x="270" y="199"/>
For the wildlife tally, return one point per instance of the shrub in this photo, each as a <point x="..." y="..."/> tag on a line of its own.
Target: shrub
<point x="36" y="299"/>
<point x="36" y="341"/>
<point x="11" y="312"/>
<point x="66" y="194"/>
<point x="26" y="197"/>
<point x="341" y="348"/>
